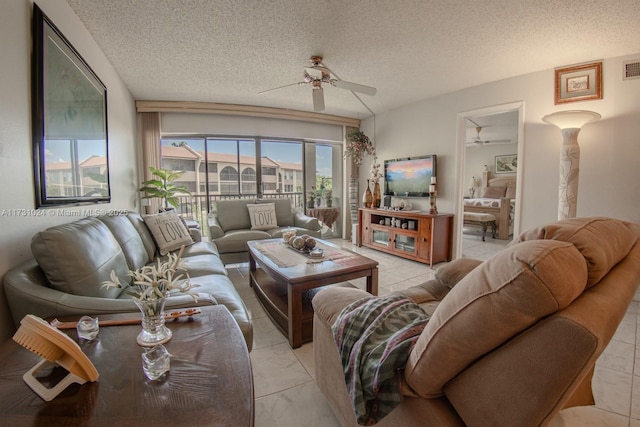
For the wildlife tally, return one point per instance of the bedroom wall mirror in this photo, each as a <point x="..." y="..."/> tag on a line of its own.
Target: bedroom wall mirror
<point x="491" y="147"/>
<point x="69" y="119"/>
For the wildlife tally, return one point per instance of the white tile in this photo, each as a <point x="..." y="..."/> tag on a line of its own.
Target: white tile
<point x="588" y="416"/>
<point x="635" y="398"/>
<point x="618" y="356"/>
<point x="256" y="311"/>
<point x="276" y="368"/>
<point x="304" y="354"/>
<point x="265" y="333"/>
<point x="303" y="405"/>
<point x="627" y="329"/>
<point x="612" y="390"/>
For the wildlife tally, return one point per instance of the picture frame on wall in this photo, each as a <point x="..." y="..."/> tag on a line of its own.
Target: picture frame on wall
<point x="578" y="83"/>
<point x="69" y="122"/>
<point x="506" y="164"/>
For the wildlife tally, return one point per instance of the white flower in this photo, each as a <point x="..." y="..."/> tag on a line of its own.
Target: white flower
<point x="152" y="282"/>
<point x="375" y="171"/>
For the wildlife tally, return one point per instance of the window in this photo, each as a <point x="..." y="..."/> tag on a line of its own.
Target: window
<point x="213" y="167"/>
<point x="249" y="174"/>
<point x="223" y="166"/>
<point x="228" y="174"/>
<point x="178" y="164"/>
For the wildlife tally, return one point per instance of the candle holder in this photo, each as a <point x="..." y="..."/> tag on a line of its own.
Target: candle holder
<point x="432" y="201"/>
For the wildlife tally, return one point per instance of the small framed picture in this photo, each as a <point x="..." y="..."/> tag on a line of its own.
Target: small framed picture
<point x="578" y="83"/>
<point x="507" y="163"/>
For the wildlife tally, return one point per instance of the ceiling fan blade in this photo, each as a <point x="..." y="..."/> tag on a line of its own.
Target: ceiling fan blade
<point x="318" y="99"/>
<point x="354" y="87"/>
<point x="282" y="87"/>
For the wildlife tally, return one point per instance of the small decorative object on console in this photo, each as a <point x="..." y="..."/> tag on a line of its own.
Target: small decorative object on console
<point x="88" y="328"/>
<point x="367" y="197"/>
<point x="156" y="361"/>
<point x="432" y="196"/>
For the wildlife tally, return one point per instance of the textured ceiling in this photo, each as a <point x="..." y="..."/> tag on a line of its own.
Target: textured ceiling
<point x="227" y="51"/>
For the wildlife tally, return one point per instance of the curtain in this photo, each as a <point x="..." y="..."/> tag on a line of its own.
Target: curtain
<point x="150" y="141"/>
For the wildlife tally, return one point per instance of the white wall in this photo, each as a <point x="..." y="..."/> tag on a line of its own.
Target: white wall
<point x="15" y="132"/>
<point x="610" y="148"/>
<point x="479" y="156"/>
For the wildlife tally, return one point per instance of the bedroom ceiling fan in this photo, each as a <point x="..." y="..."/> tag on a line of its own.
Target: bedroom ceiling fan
<point x="319" y="73"/>
<point x="477" y="141"/>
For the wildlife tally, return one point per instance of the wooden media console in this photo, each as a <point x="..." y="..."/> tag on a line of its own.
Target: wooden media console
<point x="415" y="235"/>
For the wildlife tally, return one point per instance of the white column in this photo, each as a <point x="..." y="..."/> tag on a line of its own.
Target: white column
<point x="569" y="174"/>
<point x="569" y="122"/>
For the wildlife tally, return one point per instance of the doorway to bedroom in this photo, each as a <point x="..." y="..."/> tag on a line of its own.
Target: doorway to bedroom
<point x="488" y="209"/>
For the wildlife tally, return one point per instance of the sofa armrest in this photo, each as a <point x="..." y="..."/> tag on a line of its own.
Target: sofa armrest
<point x="215" y="231"/>
<point x="27" y="293"/>
<point x="303" y="221"/>
<point x="329" y="302"/>
<point x="529" y="366"/>
<point x="195" y="234"/>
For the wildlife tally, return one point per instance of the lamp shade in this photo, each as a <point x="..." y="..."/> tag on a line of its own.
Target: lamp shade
<point x="571" y="119"/>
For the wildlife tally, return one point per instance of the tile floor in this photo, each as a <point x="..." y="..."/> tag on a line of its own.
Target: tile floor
<point x="286" y="394"/>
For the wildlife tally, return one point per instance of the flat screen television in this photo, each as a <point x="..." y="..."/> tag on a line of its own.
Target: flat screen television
<point x="410" y="176"/>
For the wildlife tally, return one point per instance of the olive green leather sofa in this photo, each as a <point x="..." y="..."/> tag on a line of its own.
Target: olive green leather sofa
<point x="72" y="260"/>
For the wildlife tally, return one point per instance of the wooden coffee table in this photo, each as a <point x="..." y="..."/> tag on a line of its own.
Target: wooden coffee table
<point x="210" y="381"/>
<point x="285" y="281"/>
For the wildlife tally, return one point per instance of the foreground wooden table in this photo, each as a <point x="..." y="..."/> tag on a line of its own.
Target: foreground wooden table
<point x="210" y="381"/>
<point x="285" y="291"/>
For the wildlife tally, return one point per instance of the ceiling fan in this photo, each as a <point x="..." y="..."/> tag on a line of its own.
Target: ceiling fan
<point x="319" y="73"/>
<point x="479" y="142"/>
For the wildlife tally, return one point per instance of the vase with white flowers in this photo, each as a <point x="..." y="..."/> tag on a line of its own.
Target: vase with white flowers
<point x="149" y="288"/>
<point x="375" y="178"/>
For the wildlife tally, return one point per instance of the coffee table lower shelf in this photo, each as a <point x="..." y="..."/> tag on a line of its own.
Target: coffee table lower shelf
<point x="273" y="298"/>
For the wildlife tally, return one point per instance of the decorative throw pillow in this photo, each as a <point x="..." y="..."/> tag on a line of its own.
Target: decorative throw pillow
<point x="495" y="192"/>
<point x="168" y="231"/>
<point x="263" y="216"/>
<point x="511" y="191"/>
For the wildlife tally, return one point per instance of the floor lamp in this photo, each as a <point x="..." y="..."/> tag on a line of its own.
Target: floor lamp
<point x="570" y="123"/>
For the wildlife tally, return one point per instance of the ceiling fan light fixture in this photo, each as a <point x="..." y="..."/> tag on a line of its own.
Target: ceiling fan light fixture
<point x="317" y="74"/>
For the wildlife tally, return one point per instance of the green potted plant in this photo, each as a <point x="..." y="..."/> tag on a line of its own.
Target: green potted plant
<point x="311" y="200"/>
<point x="163" y="187"/>
<point x="328" y="200"/>
<point x="358" y="144"/>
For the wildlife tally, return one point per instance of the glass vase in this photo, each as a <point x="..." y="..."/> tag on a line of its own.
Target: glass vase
<point x="153" y="329"/>
<point x="367" y="197"/>
<point x="377" y="195"/>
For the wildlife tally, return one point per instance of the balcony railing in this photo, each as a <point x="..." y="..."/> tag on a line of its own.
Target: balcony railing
<point x="197" y="208"/>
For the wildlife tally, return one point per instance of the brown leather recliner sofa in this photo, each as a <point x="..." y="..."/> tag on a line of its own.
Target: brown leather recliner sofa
<point x="511" y="341"/>
<point x="72" y="260"/>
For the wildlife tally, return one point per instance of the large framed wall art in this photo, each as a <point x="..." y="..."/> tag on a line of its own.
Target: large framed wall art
<point x="69" y="122"/>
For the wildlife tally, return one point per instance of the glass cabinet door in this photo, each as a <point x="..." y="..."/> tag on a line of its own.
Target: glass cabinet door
<point x="405" y="243"/>
<point x="381" y="237"/>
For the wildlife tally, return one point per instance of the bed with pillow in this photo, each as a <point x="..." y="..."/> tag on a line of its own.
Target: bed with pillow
<point x="497" y="196"/>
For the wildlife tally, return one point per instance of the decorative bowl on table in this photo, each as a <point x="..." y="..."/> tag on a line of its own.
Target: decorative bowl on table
<point x="287" y="234"/>
<point x="304" y="244"/>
